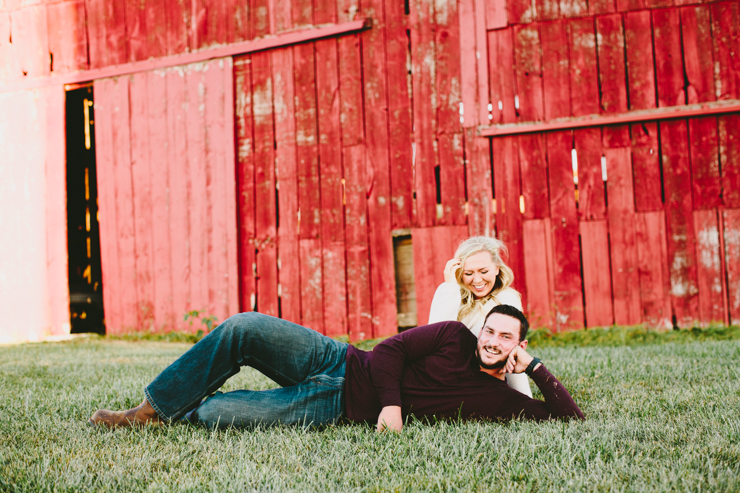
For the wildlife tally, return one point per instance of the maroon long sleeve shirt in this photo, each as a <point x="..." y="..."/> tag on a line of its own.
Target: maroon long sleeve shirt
<point x="432" y="371"/>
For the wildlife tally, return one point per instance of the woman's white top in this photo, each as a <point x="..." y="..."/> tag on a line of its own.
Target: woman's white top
<point x="446" y="304"/>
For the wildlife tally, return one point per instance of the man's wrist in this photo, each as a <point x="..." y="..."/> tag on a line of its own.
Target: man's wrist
<point x="532" y="365"/>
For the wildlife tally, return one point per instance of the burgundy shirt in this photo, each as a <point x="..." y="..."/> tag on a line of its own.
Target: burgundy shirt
<point x="432" y="371"/>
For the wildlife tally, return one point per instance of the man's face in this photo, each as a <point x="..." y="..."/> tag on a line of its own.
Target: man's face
<point x="497" y="338"/>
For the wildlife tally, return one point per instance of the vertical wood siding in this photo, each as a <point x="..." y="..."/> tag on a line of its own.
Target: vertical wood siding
<point x="167" y="202"/>
<point x="277" y="186"/>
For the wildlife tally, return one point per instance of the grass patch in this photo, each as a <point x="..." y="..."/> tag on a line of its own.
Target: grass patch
<point x="660" y="417"/>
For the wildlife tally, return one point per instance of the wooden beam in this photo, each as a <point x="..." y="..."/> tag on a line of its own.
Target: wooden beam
<point x="251" y="46"/>
<point x="671" y="112"/>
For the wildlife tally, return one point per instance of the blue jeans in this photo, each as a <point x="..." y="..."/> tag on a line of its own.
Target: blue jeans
<point x="310" y="368"/>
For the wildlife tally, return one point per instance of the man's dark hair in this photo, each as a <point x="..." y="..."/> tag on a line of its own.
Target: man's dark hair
<point x="514" y="313"/>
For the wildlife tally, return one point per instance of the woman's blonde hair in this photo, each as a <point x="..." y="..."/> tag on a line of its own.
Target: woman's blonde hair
<point x="505" y="276"/>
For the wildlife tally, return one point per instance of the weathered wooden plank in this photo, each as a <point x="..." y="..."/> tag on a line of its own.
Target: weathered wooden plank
<point x="726" y="37"/>
<point x="528" y="59"/>
<point x="468" y="63"/>
<point x="591" y="198"/>
<point x="668" y="57"/>
<point x="573" y="8"/>
<point x="555" y="69"/>
<point x="625" y="5"/>
<point x="481" y="56"/>
<point x="197" y="166"/>
<point x="432" y="248"/>
<point x="533" y="165"/>
<point x="237" y="20"/>
<point x="141" y="177"/>
<point x="67" y="36"/>
<point x="597" y="282"/>
<point x="710" y="278"/>
<point x="696" y="35"/>
<point x="646" y="166"/>
<point x="332" y="188"/>
<point x="145" y="30"/>
<point x="424" y="111"/>
<point x="399" y="111"/>
<point x="640" y="66"/>
<point x="596" y="7"/>
<point x="502" y="77"/>
<point x="449" y="134"/>
<point x="179" y="194"/>
<point x="127" y="288"/>
<point x="261" y="18"/>
<point x="309" y="190"/>
<point x="287" y="183"/>
<point x="382" y="271"/>
<point x="481" y="217"/>
<point x="244" y="132"/>
<point x="264" y="179"/>
<point x="178" y="16"/>
<point x="612" y="75"/>
<point x="584" y="77"/>
<point x="157" y="102"/>
<point x="547" y="10"/>
<point x="359" y="300"/>
<point x="680" y="225"/>
<point x="508" y="189"/>
<point x="729" y="152"/>
<point x="520" y="12"/>
<point x="105" y="167"/>
<point x="496" y="17"/>
<point x="219" y="146"/>
<point x="56" y="211"/>
<point x="116" y="33"/>
<point x="538" y="270"/>
<point x="621" y="214"/>
<point x="731" y="226"/>
<point x="659" y="3"/>
<point x="30" y="40"/>
<point x="652" y="258"/>
<point x="705" y="178"/>
<point x="566" y="251"/>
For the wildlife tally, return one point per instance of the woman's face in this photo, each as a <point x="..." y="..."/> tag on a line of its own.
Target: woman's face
<point x="479" y="274"/>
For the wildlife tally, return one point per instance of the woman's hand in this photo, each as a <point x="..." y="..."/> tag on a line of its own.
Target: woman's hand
<point x="451" y="270"/>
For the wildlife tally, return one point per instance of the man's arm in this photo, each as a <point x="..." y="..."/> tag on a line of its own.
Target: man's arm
<point x="558" y="401"/>
<point x="389" y="358"/>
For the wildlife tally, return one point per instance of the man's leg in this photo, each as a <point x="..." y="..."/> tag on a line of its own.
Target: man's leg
<point x="284" y="351"/>
<point x="319" y="400"/>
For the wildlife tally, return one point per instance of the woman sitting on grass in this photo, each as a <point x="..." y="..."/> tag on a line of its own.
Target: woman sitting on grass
<point x="476" y="280"/>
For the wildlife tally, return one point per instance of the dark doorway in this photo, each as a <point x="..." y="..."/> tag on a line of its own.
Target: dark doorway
<point x="83" y="237"/>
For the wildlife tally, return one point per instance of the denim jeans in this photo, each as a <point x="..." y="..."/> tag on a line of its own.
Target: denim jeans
<point x="310" y="368"/>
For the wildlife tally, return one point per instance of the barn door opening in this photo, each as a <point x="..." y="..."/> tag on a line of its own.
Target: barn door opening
<point x="83" y="237"/>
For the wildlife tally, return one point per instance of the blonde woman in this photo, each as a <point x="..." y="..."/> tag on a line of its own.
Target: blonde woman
<point x="476" y="280"/>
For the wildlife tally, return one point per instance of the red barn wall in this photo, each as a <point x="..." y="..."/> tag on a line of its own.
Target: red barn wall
<point x="285" y="184"/>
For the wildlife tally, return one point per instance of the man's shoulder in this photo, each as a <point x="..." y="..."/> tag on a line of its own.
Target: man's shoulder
<point x="449" y="329"/>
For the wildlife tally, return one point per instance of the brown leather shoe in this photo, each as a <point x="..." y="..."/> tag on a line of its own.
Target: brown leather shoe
<point x="142" y="414"/>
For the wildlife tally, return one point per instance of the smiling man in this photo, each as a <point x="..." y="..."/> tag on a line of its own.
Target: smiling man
<point x="435" y="371"/>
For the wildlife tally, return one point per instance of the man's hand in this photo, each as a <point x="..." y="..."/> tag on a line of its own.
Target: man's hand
<point x="518" y="361"/>
<point x="390" y="419"/>
<point x="451" y="269"/>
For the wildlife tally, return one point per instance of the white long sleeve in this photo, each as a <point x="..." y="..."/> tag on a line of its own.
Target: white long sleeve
<point x="445" y="304"/>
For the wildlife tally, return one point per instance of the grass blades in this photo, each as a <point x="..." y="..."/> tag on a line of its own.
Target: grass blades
<point x="660" y="417"/>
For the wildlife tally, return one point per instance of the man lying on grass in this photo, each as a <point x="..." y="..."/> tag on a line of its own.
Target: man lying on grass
<point x="434" y="371"/>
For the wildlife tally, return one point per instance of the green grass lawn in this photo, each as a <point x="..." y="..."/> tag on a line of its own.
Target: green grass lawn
<point x="663" y="416"/>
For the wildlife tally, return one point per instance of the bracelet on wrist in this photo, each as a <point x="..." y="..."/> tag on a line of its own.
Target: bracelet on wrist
<point x="532" y="364"/>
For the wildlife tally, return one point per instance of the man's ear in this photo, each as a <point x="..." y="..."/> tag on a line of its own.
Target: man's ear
<point x="523" y="344"/>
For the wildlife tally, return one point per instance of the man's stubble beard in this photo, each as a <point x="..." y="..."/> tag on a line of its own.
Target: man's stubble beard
<point x="494" y="366"/>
